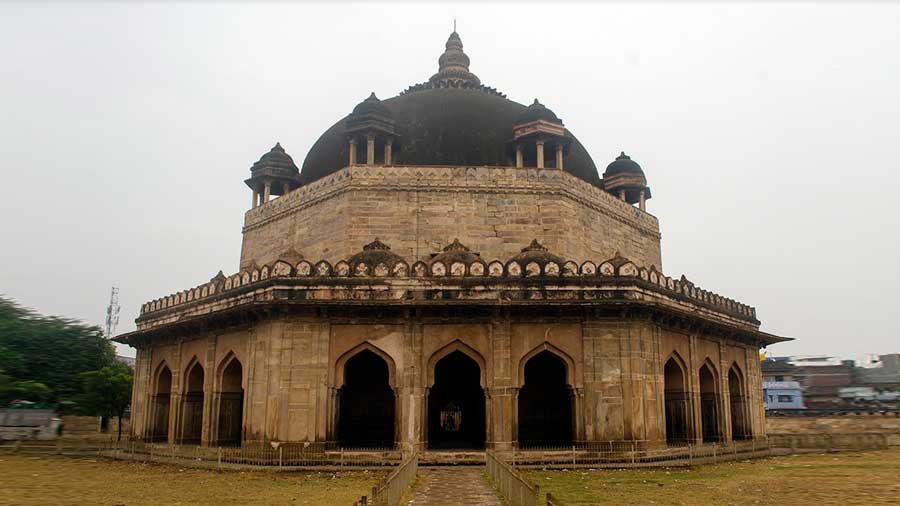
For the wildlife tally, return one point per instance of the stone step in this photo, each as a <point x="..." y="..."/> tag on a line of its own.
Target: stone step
<point x="452" y="458"/>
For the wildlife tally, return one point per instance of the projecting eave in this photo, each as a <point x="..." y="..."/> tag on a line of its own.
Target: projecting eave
<point x="769" y="339"/>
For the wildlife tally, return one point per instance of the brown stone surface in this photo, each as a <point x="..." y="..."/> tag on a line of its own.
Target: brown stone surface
<point x="417" y="210"/>
<point x="453" y="486"/>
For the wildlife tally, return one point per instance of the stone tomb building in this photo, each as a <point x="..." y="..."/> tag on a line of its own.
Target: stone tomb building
<point x="447" y="270"/>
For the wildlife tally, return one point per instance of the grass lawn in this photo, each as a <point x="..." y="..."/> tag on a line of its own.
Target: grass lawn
<point x="27" y="481"/>
<point x="864" y="478"/>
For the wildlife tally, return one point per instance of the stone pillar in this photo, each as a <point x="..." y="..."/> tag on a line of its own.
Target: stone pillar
<point x="255" y="201"/>
<point x="559" y="156"/>
<point x="370" y="149"/>
<point x="520" y="156"/>
<point x="267" y="190"/>
<point x="540" y="154"/>
<point x="643" y="201"/>
<point x="502" y="416"/>
<point x="621" y="194"/>
<point x="388" y="155"/>
<point x="285" y="188"/>
<point x="352" y="152"/>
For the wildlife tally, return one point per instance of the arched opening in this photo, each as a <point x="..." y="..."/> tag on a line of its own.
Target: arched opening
<point x="192" y="406"/>
<point x="545" y="403"/>
<point x="366" y="413"/>
<point x="740" y="429"/>
<point x="709" y="404"/>
<point x="162" y="394"/>
<point x="231" y="405"/>
<point x="677" y="403"/>
<point x="456" y="412"/>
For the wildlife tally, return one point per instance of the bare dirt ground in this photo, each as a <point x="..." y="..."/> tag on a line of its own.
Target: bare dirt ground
<point x="865" y="478"/>
<point x="29" y="481"/>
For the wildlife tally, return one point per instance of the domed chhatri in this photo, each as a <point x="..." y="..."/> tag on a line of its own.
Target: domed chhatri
<point x="273" y="174"/>
<point x="625" y="178"/>
<point x="577" y="340"/>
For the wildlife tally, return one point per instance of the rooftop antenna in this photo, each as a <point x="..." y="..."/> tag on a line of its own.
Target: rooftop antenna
<point x="112" y="312"/>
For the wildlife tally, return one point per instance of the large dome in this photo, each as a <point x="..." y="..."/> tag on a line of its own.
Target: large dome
<point x="450" y="120"/>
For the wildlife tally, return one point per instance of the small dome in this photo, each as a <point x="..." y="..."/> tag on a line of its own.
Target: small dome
<point x="623" y="164"/>
<point x="536" y="252"/>
<point x="374" y="253"/>
<point x="455" y="252"/>
<point x="371" y="105"/>
<point x="538" y="111"/>
<point x="277" y="162"/>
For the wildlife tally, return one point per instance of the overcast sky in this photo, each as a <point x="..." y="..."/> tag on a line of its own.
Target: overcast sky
<point x="769" y="135"/>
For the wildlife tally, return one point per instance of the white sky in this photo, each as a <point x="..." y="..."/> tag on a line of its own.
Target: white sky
<point x="769" y="135"/>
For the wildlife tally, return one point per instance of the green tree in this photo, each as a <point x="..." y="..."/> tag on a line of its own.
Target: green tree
<point x="48" y="350"/>
<point x="107" y="392"/>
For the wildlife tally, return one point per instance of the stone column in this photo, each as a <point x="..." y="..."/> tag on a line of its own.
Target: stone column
<point x="540" y="154"/>
<point x="559" y="156"/>
<point x="501" y="397"/>
<point x="267" y="190"/>
<point x="352" y="152"/>
<point x="643" y="201"/>
<point x="285" y="188"/>
<point x="621" y="194"/>
<point x="255" y="201"/>
<point x="370" y="149"/>
<point x="520" y="156"/>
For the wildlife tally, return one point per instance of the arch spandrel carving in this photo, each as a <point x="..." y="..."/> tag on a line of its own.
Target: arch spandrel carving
<point x="338" y="375"/>
<point x="571" y="377"/>
<point x="456" y="345"/>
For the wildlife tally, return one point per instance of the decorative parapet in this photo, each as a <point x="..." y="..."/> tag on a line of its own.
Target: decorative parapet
<point x="535" y="267"/>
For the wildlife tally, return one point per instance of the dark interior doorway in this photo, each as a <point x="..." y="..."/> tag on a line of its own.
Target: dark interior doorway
<point x="739" y="427"/>
<point x="545" y="403"/>
<point x="231" y="405"/>
<point x="709" y="404"/>
<point x="456" y="412"/>
<point x="161" y="399"/>
<point x="366" y="412"/>
<point x="676" y="403"/>
<point x="192" y="406"/>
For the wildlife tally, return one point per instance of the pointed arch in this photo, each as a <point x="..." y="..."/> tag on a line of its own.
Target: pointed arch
<point x="161" y="402"/>
<point x="553" y="350"/>
<point x="465" y="349"/>
<point x="192" y="400"/>
<point x="341" y="363"/>
<point x="708" y="376"/>
<point x="366" y="400"/>
<point x="676" y="400"/>
<point x="737" y="393"/>
<point x="229" y="392"/>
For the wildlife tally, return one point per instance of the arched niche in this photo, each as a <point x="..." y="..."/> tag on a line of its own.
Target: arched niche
<point x="456" y="410"/>
<point x="546" y="346"/>
<point x="366" y="415"/>
<point x="546" y="401"/>
<point x="341" y="363"/>
<point x="192" y="401"/>
<point x="162" y="395"/>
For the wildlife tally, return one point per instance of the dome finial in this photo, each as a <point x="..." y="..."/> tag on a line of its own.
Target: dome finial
<point x="453" y="65"/>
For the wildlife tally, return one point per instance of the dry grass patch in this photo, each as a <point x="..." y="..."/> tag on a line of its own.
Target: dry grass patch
<point x="28" y="481"/>
<point x="865" y="478"/>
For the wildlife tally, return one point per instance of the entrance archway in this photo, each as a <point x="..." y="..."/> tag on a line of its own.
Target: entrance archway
<point x="545" y="403"/>
<point x="456" y="410"/>
<point x="709" y="404"/>
<point x="192" y="406"/>
<point x="162" y="394"/>
<point x="366" y="412"/>
<point x="739" y="427"/>
<point x="676" y="402"/>
<point x="231" y="404"/>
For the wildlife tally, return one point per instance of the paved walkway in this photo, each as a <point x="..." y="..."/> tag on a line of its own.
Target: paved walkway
<point x="453" y="486"/>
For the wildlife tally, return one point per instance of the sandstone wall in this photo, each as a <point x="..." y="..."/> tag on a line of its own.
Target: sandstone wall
<point x="293" y="369"/>
<point x="494" y="211"/>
